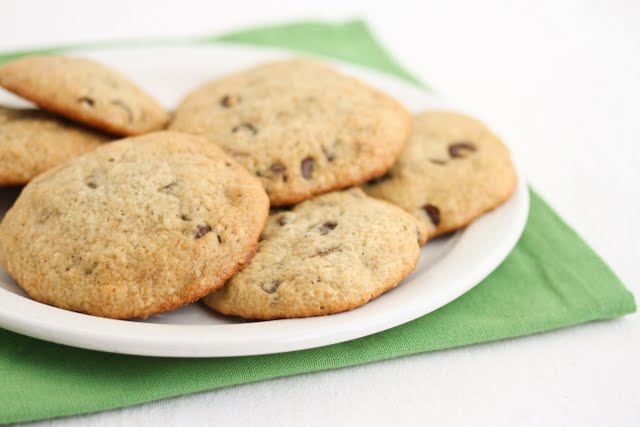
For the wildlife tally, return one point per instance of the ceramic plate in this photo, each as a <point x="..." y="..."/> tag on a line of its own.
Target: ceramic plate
<point x="448" y="267"/>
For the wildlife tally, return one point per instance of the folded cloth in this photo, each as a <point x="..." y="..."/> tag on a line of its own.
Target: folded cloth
<point x="551" y="279"/>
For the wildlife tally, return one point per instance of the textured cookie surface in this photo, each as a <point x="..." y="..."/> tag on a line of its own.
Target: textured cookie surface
<point x="137" y="227"/>
<point x="300" y="126"/>
<point x="452" y="170"/>
<point x="32" y="141"/>
<point x="86" y="91"/>
<point x="329" y="254"/>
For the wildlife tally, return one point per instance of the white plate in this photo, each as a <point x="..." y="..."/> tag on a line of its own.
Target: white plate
<point x="448" y="268"/>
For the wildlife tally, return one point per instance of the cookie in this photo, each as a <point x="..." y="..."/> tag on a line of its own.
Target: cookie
<point x="136" y="227"/>
<point x="329" y="254"/>
<point x="303" y="128"/>
<point x="452" y="170"/>
<point x="85" y="91"/>
<point x="32" y="141"/>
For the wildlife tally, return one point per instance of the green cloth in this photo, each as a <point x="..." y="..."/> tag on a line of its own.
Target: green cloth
<point x="552" y="279"/>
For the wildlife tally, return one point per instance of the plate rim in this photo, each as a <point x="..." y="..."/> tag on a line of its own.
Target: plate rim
<point x="95" y="333"/>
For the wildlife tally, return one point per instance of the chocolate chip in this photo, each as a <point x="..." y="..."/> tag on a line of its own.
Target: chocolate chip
<point x="379" y="179"/>
<point x="125" y="107"/>
<point x="306" y="166"/>
<point x="327" y="227"/>
<point x="229" y="101"/>
<point x="438" y="161"/>
<point x="86" y="101"/>
<point x="277" y="168"/>
<point x="457" y="149"/>
<point x="284" y="220"/>
<point x="271" y="287"/>
<point x="433" y="212"/>
<point x="245" y="126"/>
<point x="91" y="182"/>
<point x="202" y="230"/>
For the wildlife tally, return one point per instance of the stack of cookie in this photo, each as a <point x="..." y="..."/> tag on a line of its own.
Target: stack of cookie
<point x="163" y="218"/>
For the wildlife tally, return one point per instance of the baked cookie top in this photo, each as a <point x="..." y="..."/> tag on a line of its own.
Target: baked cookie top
<point x="329" y="254"/>
<point x="136" y="227"/>
<point x="452" y="170"/>
<point x="300" y="126"/>
<point x="32" y="141"/>
<point x="85" y="91"/>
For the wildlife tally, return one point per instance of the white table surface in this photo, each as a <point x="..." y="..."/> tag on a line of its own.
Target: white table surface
<point x="560" y="81"/>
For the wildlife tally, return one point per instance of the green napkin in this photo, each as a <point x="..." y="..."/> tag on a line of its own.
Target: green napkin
<point x="552" y="279"/>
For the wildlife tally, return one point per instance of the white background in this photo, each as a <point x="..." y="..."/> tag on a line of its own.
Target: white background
<point x="560" y="81"/>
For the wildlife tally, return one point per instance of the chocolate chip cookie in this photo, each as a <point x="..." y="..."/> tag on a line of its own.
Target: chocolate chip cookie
<point x="136" y="227"/>
<point x="32" y="141"/>
<point x="85" y="91"/>
<point x="298" y="125"/>
<point x="452" y="170"/>
<point x="329" y="254"/>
